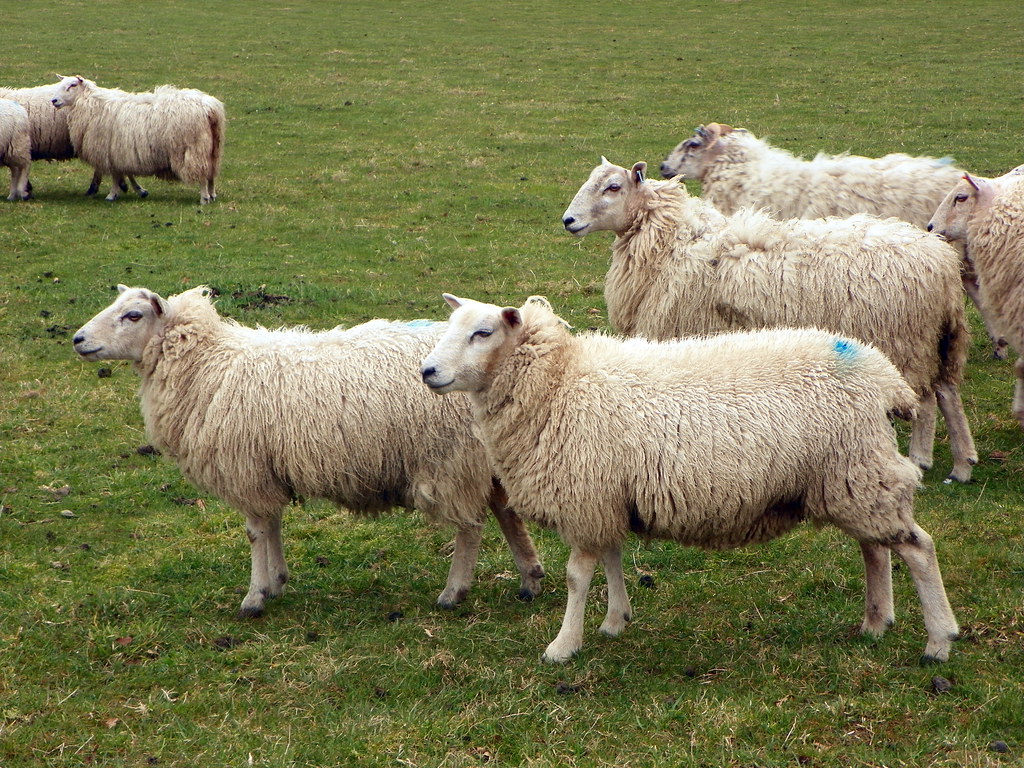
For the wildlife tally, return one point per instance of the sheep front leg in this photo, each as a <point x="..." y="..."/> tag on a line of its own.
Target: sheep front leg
<point x="918" y="551"/>
<point x="879" y="613"/>
<point x="136" y="186"/>
<point x="619" y="611"/>
<point x="578" y="573"/>
<point x="460" y="574"/>
<point x="116" y="183"/>
<point x="520" y="544"/>
<point x="922" y="432"/>
<point x="269" y="570"/>
<point x="961" y="443"/>
<point x="207" y="193"/>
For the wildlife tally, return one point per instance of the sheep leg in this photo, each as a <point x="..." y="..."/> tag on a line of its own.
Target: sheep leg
<point x="879" y="613"/>
<point x="519" y="543"/>
<point x="460" y="574"/>
<point x="269" y="571"/>
<point x="136" y="186"/>
<point x="1018" y="390"/>
<point x="918" y="551"/>
<point x="961" y="443"/>
<point x="619" y="610"/>
<point x="94" y="185"/>
<point x="117" y="180"/>
<point x="578" y="573"/>
<point x="922" y="432"/>
<point x="206" y="192"/>
<point x="19" y="183"/>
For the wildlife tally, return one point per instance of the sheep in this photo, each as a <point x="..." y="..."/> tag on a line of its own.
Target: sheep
<point x="738" y="170"/>
<point x="260" y="417"/>
<point x="680" y="267"/>
<point x="15" y="147"/>
<point x="174" y="134"/>
<point x="716" y="442"/>
<point x="987" y="217"/>
<point x="48" y="128"/>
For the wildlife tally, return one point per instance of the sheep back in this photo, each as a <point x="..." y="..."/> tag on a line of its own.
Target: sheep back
<point x="48" y="126"/>
<point x="259" y="417"/>
<point x="15" y="145"/>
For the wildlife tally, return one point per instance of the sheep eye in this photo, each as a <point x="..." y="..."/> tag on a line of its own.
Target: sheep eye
<point x="134" y="315"/>
<point x="613" y="188"/>
<point x="960" y="198"/>
<point x="483" y="333"/>
<point x="691" y="144"/>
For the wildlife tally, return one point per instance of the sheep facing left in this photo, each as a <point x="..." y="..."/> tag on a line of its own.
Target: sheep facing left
<point x="260" y="417"/>
<point x="717" y="442"/>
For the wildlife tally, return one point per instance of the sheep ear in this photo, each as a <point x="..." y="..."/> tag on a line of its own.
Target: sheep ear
<point x="59" y="77"/>
<point x="724" y="129"/>
<point x="121" y="287"/>
<point x="453" y="301"/>
<point x="967" y="177"/>
<point x="604" y="160"/>
<point x="158" y="303"/>
<point x="511" y="317"/>
<point x="637" y="172"/>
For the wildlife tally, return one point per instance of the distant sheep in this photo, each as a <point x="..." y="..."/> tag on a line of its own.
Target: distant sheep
<point x="987" y="217"/>
<point x="715" y="442"/>
<point x="171" y="133"/>
<point x="15" y="147"/>
<point x="259" y="418"/>
<point x="48" y="127"/>
<point x="681" y="268"/>
<point x="738" y="170"/>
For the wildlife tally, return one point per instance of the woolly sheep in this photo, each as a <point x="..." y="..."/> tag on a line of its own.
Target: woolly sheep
<point x="15" y="147"/>
<point x="716" y="442"/>
<point x="987" y="217"/>
<point x="680" y="267"/>
<point x="174" y="134"/>
<point x="738" y="170"/>
<point x="259" y="418"/>
<point x="48" y="127"/>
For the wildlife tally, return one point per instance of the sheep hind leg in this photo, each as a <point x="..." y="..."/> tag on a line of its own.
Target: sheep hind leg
<point x="879" y="613"/>
<point x="922" y="432"/>
<point x="520" y="544"/>
<point x="116" y="182"/>
<point x="619" y="611"/>
<point x="917" y="550"/>
<point x="207" y="193"/>
<point x="460" y="574"/>
<point x="269" y="571"/>
<point x="961" y="443"/>
<point x="579" y="571"/>
<point x="136" y="186"/>
<point x="1018" y="391"/>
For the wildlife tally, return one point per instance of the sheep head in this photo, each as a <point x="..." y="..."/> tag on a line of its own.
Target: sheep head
<point x="971" y="195"/>
<point x="691" y="158"/>
<point x="122" y="330"/>
<point x="606" y="201"/>
<point x="69" y="88"/>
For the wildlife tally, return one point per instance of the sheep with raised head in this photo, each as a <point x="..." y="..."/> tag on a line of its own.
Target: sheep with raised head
<point x="987" y="217"/>
<point x="680" y="267"/>
<point x="174" y="134"/>
<point x="48" y="128"/>
<point x="259" y="418"/>
<point x="716" y="442"/>
<point x="15" y="147"/>
<point x="738" y="170"/>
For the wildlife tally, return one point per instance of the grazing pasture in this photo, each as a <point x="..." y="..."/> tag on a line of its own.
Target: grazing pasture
<point x="376" y="155"/>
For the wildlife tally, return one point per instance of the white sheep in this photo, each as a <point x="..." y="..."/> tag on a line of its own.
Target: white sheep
<point x="259" y="418"/>
<point x="15" y="147"/>
<point x="715" y="442"/>
<point x="680" y="267"/>
<point x="987" y="217"/>
<point x="174" y="134"/>
<point x="48" y="128"/>
<point x="738" y="170"/>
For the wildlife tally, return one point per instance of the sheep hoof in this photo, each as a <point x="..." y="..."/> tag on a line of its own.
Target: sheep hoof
<point x="526" y="595"/>
<point x="927" y="660"/>
<point x="253" y="612"/>
<point x="450" y="598"/>
<point x="143" y="193"/>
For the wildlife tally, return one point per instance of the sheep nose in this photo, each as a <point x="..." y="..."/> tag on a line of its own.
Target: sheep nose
<point x="568" y="221"/>
<point x="427" y="372"/>
<point x="78" y="339"/>
<point x="665" y="170"/>
<point x="930" y="226"/>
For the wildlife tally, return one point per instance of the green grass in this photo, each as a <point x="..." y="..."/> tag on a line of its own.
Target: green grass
<point x="377" y="155"/>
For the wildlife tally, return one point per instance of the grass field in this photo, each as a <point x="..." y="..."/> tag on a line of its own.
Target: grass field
<point x="377" y="155"/>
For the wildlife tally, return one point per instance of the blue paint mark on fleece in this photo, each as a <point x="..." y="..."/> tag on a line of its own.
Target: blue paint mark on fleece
<point x="845" y="350"/>
<point x="421" y="323"/>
